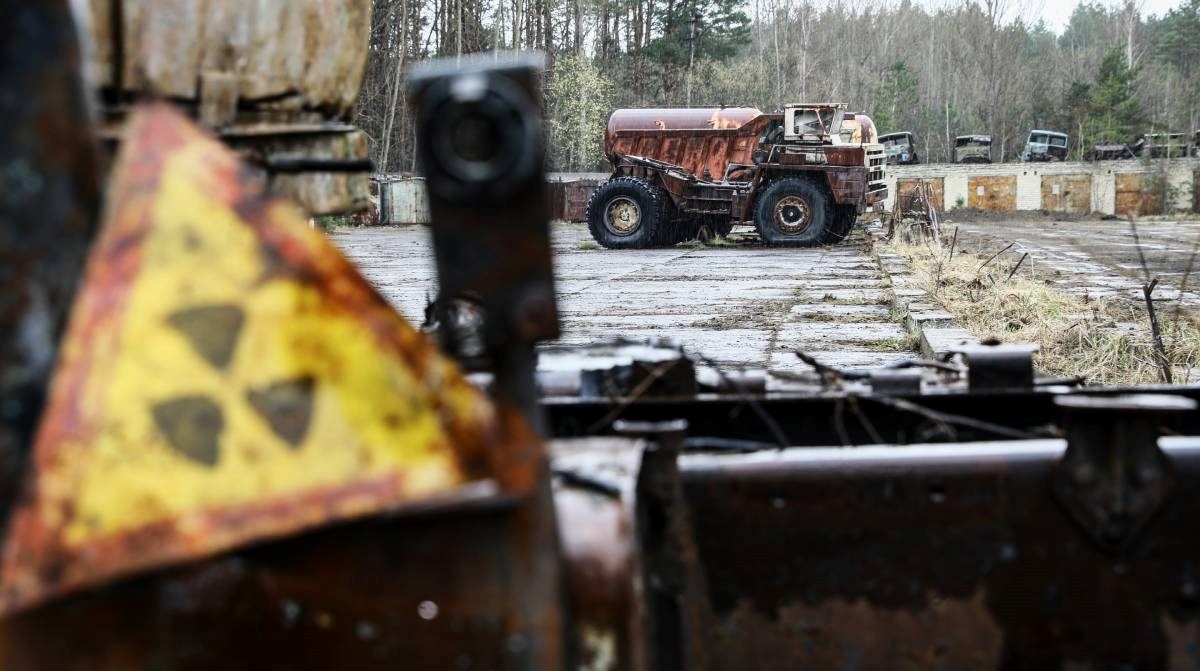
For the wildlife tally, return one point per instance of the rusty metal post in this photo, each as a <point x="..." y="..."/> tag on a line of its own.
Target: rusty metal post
<point x="670" y="562"/>
<point x="49" y="199"/>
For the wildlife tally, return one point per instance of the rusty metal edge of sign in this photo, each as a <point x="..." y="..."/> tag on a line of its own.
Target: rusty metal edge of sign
<point x="494" y="443"/>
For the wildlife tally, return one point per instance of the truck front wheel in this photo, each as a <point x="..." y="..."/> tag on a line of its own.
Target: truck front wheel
<point x="629" y="213"/>
<point x="793" y="212"/>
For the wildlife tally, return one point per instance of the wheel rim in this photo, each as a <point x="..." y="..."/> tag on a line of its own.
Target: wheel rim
<point x="623" y="216"/>
<point x="792" y="215"/>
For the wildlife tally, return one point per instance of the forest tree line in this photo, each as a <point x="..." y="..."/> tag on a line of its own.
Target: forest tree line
<point x="980" y="66"/>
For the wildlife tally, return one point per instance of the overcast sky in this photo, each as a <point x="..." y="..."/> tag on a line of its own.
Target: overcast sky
<point x="1056" y="12"/>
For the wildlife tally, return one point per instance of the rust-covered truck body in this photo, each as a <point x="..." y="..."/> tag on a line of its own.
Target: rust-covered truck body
<point x="678" y="171"/>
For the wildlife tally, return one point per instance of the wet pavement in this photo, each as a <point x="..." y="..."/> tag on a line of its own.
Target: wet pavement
<point x="741" y="304"/>
<point x="1097" y="258"/>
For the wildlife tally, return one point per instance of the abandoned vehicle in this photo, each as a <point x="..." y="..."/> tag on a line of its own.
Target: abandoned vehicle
<point x="682" y="173"/>
<point x="1045" y="145"/>
<point x="900" y="148"/>
<point x="973" y="149"/>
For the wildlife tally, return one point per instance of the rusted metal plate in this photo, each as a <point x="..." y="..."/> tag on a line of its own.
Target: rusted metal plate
<point x="1137" y="194"/>
<point x="286" y="55"/>
<point x="276" y="79"/>
<point x="704" y="152"/>
<point x="687" y="118"/>
<point x="595" y="505"/>
<point x="576" y="195"/>
<point x="992" y="193"/>
<point x="49" y="199"/>
<point x="459" y="589"/>
<point x="937" y="186"/>
<point x="1067" y="193"/>
<point x="229" y="377"/>
<point x="956" y="556"/>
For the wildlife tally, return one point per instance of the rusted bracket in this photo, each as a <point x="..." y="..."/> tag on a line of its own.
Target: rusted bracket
<point x="999" y="367"/>
<point x="1114" y="477"/>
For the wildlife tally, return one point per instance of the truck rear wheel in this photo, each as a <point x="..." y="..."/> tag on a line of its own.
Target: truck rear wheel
<point x="793" y="212"/>
<point x="629" y="213"/>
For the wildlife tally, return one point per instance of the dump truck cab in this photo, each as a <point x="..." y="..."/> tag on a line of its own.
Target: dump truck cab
<point x="811" y="123"/>
<point x="680" y="172"/>
<point x="1046" y="145"/>
<point x="899" y="148"/>
<point x="973" y="149"/>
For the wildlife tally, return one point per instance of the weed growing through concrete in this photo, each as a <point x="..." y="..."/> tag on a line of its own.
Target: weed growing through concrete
<point x="1090" y="338"/>
<point x="587" y="245"/>
<point x="906" y="344"/>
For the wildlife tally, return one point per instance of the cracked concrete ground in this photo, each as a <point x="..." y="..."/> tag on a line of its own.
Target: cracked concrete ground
<point x="1097" y="257"/>
<point x="742" y="304"/>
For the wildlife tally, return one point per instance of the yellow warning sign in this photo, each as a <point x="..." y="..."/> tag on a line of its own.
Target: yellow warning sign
<point x="227" y="376"/>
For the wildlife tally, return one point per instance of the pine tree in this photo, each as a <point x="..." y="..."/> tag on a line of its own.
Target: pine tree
<point x="1115" y="113"/>
<point x="897" y="101"/>
<point x="692" y="31"/>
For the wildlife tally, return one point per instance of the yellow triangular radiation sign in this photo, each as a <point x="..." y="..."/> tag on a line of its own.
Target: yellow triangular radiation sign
<point x="227" y="376"/>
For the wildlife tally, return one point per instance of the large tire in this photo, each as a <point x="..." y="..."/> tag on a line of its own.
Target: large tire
<point x="793" y="212"/>
<point x="630" y="213"/>
<point x="844" y="217"/>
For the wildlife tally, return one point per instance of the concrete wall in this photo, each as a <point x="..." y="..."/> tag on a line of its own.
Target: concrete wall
<point x="1107" y="187"/>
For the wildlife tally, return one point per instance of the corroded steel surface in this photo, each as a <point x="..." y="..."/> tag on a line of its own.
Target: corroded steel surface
<point x="701" y="141"/>
<point x="1138" y="194"/>
<point x="283" y="56"/>
<point x="597" y="528"/>
<point x="462" y="588"/>
<point x="1067" y="193"/>
<point x="277" y="79"/>
<point x="956" y="556"/>
<point x="229" y="377"/>
<point x="681" y="118"/>
<point x="992" y="193"/>
<point x="703" y="152"/>
<point x="49" y="198"/>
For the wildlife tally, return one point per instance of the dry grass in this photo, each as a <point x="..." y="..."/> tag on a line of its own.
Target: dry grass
<point x="1077" y="336"/>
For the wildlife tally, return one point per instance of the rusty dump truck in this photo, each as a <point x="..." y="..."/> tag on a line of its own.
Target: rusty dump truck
<point x="677" y="172"/>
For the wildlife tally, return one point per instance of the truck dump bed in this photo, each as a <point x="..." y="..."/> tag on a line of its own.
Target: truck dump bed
<point x="699" y="139"/>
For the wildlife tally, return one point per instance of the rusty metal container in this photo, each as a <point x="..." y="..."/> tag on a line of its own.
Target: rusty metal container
<point x="703" y="141"/>
<point x="403" y="200"/>
<point x="681" y="118"/>
<point x="569" y="193"/>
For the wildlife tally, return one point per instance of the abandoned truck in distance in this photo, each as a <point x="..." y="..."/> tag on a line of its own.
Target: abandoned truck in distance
<point x="1046" y="145"/>
<point x="973" y="149"/>
<point x="900" y="148"/>
<point x="679" y="171"/>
